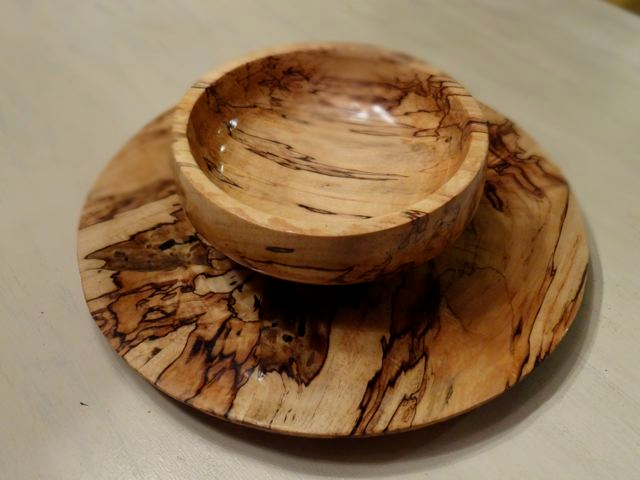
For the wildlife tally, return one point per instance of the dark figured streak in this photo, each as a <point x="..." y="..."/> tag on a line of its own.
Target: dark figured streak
<point x="301" y="267"/>
<point x="373" y="133"/>
<point x="280" y="249"/>
<point x="218" y="175"/>
<point x="414" y="214"/>
<point x="518" y="330"/>
<point x="329" y="212"/>
<point x="491" y="193"/>
<point x="109" y="206"/>
<point x="135" y="253"/>
<point x="449" y="394"/>
<point x="286" y="156"/>
<point x="413" y="328"/>
<point x="168" y="244"/>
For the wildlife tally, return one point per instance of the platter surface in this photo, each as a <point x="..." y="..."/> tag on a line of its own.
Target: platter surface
<point x="330" y="361"/>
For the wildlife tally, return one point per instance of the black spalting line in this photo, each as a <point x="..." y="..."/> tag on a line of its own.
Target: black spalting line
<point x="518" y="330"/>
<point x="329" y="212"/>
<point x="134" y="253"/>
<point x="317" y="210"/>
<point x="288" y="157"/>
<point x="280" y="249"/>
<point x="206" y="346"/>
<point x="568" y="307"/>
<point x="432" y="86"/>
<point x="449" y="394"/>
<point x="508" y="159"/>
<point x="427" y="315"/>
<point x="414" y="214"/>
<point x="111" y="205"/>
<point x="373" y="133"/>
<point x="213" y="169"/>
<point x="251" y="261"/>
<point x="168" y="244"/>
<point x="491" y="193"/>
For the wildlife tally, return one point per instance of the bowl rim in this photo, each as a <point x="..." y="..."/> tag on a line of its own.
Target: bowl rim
<point x="186" y="166"/>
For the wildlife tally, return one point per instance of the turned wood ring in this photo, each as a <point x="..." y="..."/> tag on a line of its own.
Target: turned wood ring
<point x="329" y="163"/>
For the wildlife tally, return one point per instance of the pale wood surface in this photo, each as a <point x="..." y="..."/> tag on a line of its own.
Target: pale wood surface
<point x="78" y="80"/>
<point x="329" y="163"/>
<point x="333" y="361"/>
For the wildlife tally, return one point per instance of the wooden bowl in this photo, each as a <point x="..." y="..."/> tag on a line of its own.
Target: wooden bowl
<point x="329" y="163"/>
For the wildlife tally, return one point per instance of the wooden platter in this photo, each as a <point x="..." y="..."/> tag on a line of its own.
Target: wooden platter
<point x="330" y="361"/>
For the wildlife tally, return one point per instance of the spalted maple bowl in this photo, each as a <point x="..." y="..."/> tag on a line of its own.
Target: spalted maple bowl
<point x="329" y="163"/>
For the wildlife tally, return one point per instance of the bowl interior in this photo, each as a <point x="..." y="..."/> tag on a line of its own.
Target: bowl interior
<point x="330" y="134"/>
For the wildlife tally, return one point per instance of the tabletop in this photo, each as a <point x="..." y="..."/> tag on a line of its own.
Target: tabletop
<point x="79" y="78"/>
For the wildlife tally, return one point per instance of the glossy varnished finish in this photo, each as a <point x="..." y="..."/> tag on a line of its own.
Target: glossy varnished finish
<point x="352" y="360"/>
<point x="329" y="163"/>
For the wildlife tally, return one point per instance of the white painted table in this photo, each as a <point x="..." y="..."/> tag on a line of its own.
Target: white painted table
<point x="77" y="78"/>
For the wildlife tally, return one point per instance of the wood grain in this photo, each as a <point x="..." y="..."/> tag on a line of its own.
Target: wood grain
<point x="329" y="163"/>
<point x="353" y="360"/>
